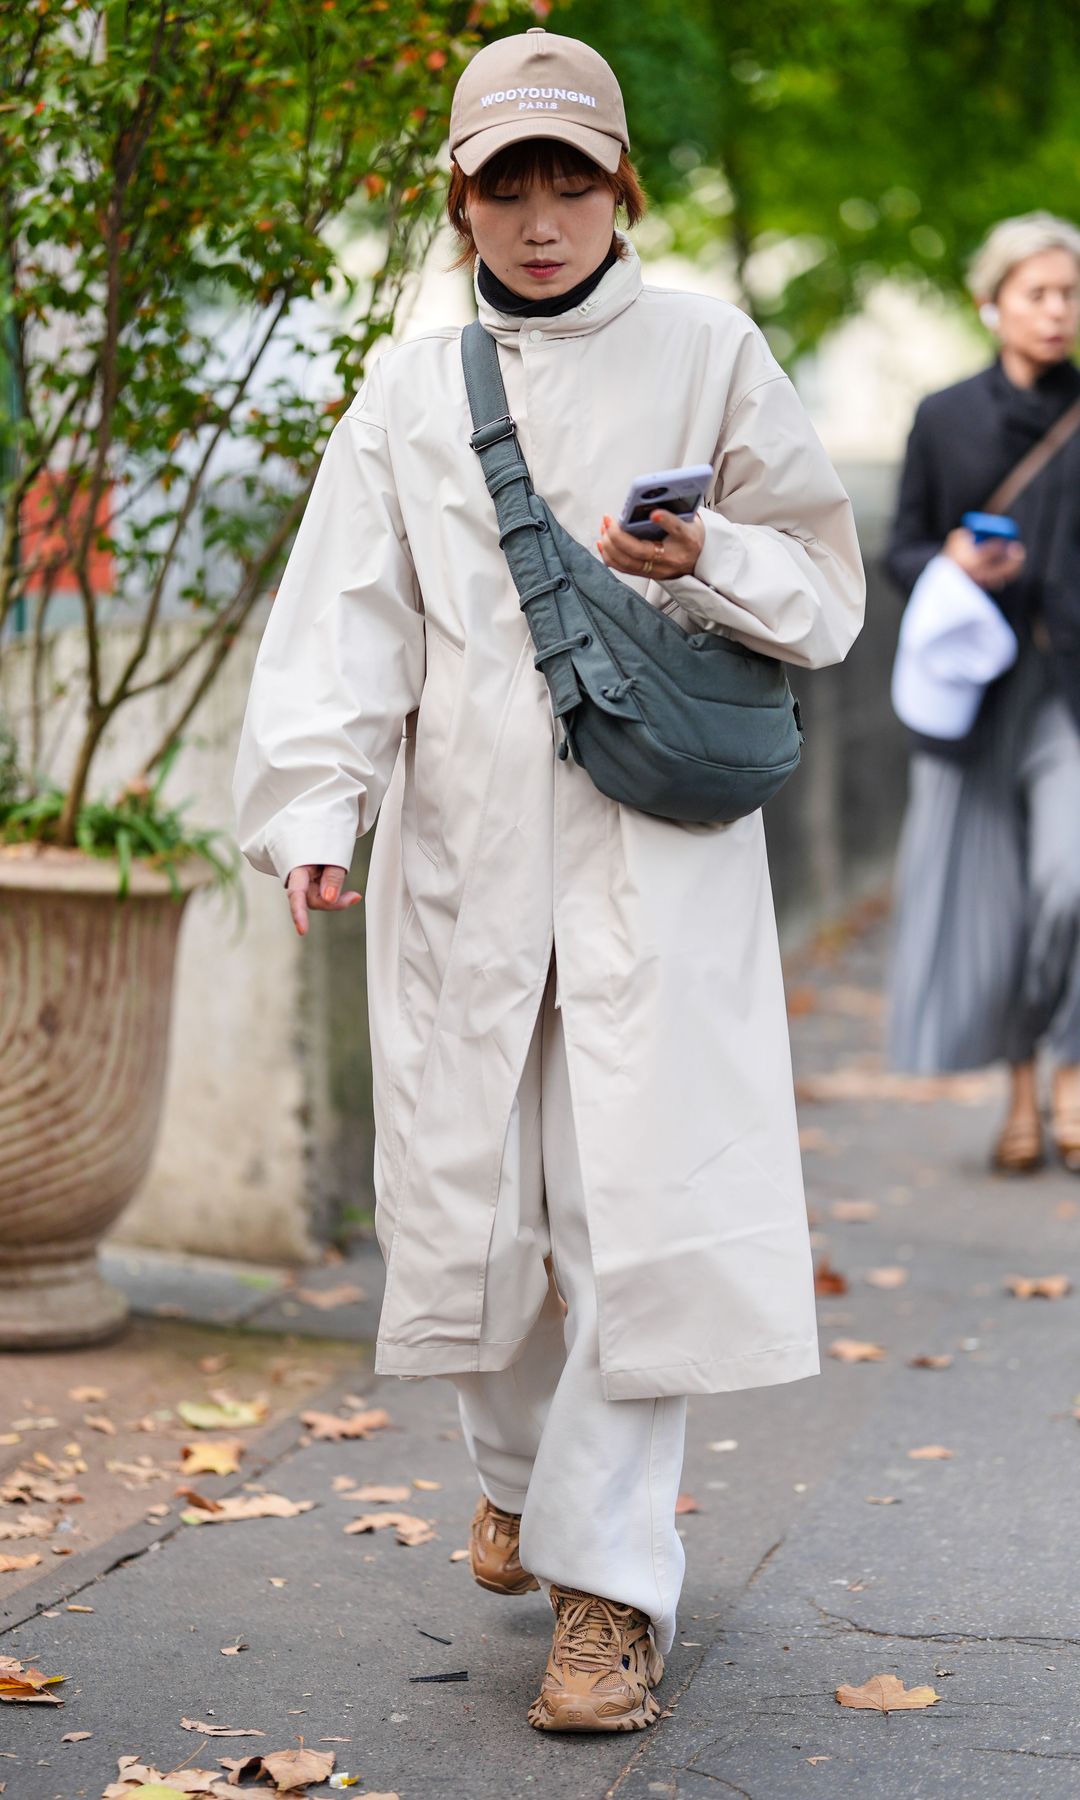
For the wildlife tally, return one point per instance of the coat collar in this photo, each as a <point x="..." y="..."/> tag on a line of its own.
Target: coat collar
<point x="618" y="290"/>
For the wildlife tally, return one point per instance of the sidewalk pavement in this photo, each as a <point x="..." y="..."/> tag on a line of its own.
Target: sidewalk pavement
<point x="822" y="1552"/>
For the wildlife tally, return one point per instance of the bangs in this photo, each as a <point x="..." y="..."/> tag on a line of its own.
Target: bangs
<point x="537" y="162"/>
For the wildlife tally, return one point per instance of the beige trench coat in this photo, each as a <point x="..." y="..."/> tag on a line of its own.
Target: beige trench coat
<point x="396" y="673"/>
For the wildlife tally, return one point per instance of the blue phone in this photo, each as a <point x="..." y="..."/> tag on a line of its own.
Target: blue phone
<point x="986" y="526"/>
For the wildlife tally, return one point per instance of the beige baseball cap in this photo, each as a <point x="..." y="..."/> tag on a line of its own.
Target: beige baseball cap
<point x="537" y="85"/>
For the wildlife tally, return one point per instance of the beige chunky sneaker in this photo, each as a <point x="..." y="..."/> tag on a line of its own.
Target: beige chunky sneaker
<point x="602" y="1668"/>
<point x="493" y="1551"/>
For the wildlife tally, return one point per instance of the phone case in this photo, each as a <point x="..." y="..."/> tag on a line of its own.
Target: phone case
<point x="672" y="490"/>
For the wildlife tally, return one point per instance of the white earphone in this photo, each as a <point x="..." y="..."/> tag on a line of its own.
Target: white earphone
<point x="990" y="316"/>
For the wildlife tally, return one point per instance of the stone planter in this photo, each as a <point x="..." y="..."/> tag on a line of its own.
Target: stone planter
<point x="85" y="999"/>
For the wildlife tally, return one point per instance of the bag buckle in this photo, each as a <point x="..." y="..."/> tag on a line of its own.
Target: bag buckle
<point x="492" y="433"/>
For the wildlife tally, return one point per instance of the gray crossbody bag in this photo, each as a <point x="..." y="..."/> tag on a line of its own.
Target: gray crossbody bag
<point x="682" y="725"/>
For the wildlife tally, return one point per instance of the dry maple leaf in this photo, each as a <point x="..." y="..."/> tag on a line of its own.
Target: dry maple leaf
<point x="76" y="1737"/>
<point x="326" y="1299"/>
<point x="853" y="1350"/>
<point x="372" y="1494"/>
<point x="32" y="1526"/>
<point x="239" y="1508"/>
<point x="331" y="1427"/>
<point x="214" y="1456"/>
<point x="930" y="1362"/>
<point x="9" y="1565"/>
<point x="29" y="1684"/>
<point x="892" y="1276"/>
<point x="886" y="1693"/>
<point x="930" y="1453"/>
<point x="408" y="1529"/>
<point x="1039" y="1287"/>
<point x="853" y="1212"/>
<point x="828" y="1280"/>
<point x="290" y="1769"/>
<point x="230" y="1731"/>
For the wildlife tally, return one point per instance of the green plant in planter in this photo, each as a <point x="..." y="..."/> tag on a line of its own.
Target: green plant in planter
<point x="208" y="217"/>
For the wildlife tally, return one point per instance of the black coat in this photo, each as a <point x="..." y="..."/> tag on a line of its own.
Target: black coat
<point x="964" y="441"/>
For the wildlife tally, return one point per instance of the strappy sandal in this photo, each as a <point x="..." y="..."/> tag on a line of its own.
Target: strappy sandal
<point x="1065" y="1120"/>
<point x="1019" y="1149"/>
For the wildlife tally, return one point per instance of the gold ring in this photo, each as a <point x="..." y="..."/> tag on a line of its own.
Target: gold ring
<point x="646" y="567"/>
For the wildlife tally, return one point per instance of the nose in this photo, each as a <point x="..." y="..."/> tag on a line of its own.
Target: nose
<point x="538" y="226"/>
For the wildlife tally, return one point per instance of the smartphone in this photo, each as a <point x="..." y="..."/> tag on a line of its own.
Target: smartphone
<point x="674" y="490"/>
<point x="987" y="526"/>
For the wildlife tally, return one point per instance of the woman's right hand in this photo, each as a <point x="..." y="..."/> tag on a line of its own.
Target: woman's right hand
<point x="992" y="564"/>
<point x="316" y="887"/>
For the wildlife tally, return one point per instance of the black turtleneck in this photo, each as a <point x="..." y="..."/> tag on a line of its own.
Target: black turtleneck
<point x="504" y="299"/>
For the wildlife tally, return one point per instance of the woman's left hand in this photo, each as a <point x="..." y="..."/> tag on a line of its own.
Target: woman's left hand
<point x="657" y="559"/>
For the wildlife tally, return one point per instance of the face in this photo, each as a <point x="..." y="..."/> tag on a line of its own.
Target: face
<point x="544" y="239"/>
<point x="1039" y="307"/>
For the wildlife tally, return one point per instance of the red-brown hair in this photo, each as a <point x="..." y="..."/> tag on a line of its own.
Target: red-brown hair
<point x="536" y="162"/>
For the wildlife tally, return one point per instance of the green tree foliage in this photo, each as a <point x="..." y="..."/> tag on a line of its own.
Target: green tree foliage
<point x="869" y="137"/>
<point x="175" y="180"/>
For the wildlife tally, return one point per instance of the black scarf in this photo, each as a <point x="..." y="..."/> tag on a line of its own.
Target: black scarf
<point x="504" y="299"/>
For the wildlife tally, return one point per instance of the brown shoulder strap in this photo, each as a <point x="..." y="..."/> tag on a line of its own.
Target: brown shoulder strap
<point x="1008" y="491"/>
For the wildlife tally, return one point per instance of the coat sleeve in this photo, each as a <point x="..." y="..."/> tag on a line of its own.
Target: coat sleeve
<point x="340" y="666"/>
<point x="780" y="570"/>
<point x="913" y="539"/>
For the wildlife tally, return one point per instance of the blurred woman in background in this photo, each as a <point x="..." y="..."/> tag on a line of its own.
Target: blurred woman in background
<point x="987" y="954"/>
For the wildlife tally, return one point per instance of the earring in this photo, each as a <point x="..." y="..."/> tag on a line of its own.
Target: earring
<point x="990" y="316"/>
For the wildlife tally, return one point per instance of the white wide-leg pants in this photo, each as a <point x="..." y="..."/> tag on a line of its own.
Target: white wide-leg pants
<point x="595" y="1480"/>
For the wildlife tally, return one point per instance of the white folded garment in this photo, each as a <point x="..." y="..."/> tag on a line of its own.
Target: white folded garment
<point x="953" y="642"/>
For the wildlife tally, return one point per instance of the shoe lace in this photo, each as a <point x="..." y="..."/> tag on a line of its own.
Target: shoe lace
<point x="503" y="1525"/>
<point x="588" y="1635"/>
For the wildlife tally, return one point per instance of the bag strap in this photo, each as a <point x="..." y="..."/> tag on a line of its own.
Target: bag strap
<point x="525" y="537"/>
<point x="1034" y="462"/>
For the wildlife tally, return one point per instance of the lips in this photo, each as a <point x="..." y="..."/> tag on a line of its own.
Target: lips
<point x="540" y="269"/>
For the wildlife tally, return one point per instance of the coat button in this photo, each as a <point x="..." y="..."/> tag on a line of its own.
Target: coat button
<point x="536" y="337"/>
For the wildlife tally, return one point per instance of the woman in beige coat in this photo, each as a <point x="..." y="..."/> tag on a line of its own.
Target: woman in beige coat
<point x="582" y="1080"/>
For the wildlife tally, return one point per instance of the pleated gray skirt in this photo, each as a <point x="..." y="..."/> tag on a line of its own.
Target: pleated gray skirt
<point x="986" y="952"/>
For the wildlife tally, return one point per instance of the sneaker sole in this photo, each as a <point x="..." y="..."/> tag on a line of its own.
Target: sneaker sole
<point x="570" y="1713"/>
<point x="529" y="1585"/>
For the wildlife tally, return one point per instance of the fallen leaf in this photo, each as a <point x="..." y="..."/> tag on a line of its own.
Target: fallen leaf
<point x="160" y="1511"/>
<point x="80" y="1609"/>
<point x="239" y="1508"/>
<point x="215" y="1456"/>
<point x="459" y="1556"/>
<point x="372" y="1494"/>
<point x="10" y="1564"/>
<point x="828" y="1280"/>
<point x="911" y="1090"/>
<point x="10" y="1437"/>
<point x="76" y="1737"/>
<point x="886" y="1693"/>
<point x="1039" y="1287"/>
<point x="331" y="1427"/>
<point x="892" y="1276"/>
<point x="278" y="1581"/>
<point x="213" y="1365"/>
<point x="26" y="1485"/>
<point x="290" y="1769"/>
<point x="137" y="1474"/>
<point x="814" y="1760"/>
<point x="205" y="1502"/>
<point x="88" y="1396"/>
<point x="98" y="1422"/>
<point x="230" y="1731"/>
<point x="219" y="1415"/>
<point x="686" y="1504"/>
<point x="813" y="1138"/>
<point x="930" y="1453"/>
<point x="724" y="1444"/>
<point x="408" y="1529"/>
<point x="426" y="1487"/>
<point x="853" y="1350"/>
<point x="882" y="1500"/>
<point x="930" y="1362"/>
<point x="853" y="1212"/>
<point x="234" y="1649"/>
<point x="326" y="1299"/>
<point x="43" y="1422"/>
<point x="19" y="1683"/>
